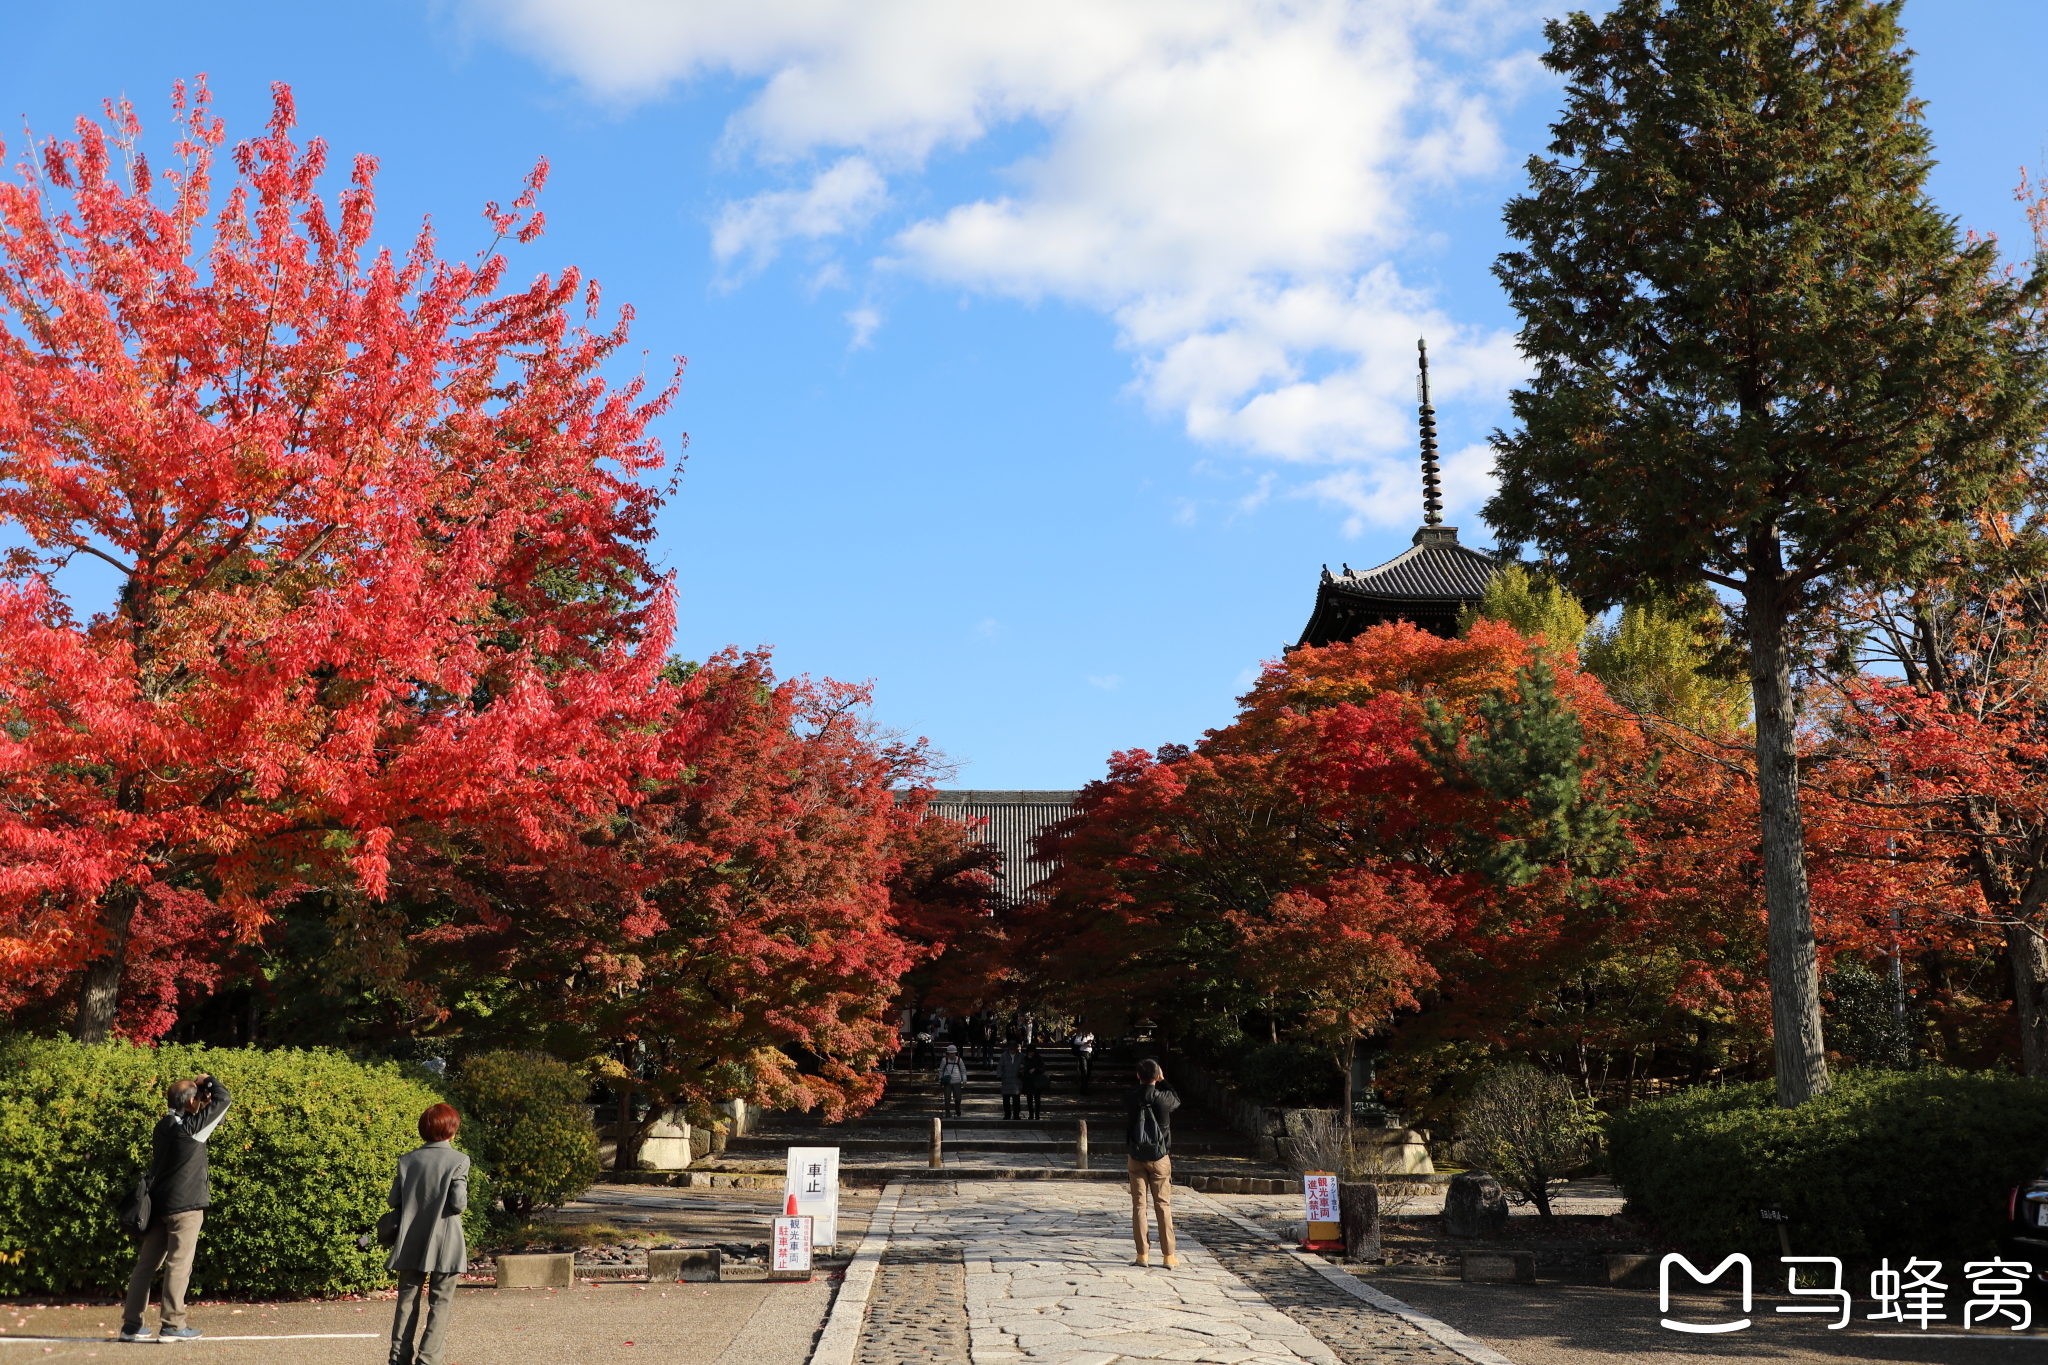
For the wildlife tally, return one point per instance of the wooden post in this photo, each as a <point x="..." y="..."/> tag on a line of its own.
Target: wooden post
<point x="1359" y="1207"/>
<point x="937" y="1125"/>
<point x="1081" y="1146"/>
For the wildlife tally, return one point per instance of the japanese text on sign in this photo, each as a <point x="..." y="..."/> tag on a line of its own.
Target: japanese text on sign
<point x="1321" y="1194"/>
<point x="792" y="1245"/>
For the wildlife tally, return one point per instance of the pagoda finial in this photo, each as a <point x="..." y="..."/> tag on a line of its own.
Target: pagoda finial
<point x="1432" y="483"/>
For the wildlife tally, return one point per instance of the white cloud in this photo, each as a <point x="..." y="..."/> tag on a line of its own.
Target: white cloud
<point x="1230" y="180"/>
<point x="841" y="198"/>
<point x="863" y="321"/>
<point x="1107" y="682"/>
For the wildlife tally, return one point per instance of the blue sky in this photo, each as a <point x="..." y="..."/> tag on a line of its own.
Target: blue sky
<point x="1038" y="355"/>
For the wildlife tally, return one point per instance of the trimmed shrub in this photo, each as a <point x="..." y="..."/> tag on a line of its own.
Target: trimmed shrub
<point x="523" y="1114"/>
<point x="300" y="1167"/>
<point x="1886" y="1164"/>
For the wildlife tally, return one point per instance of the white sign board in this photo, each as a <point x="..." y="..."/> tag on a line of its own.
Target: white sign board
<point x="792" y="1244"/>
<point x="1321" y="1194"/>
<point x="813" y="1182"/>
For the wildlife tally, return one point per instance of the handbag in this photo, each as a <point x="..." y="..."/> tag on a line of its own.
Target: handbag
<point x="134" y="1210"/>
<point x="387" y="1230"/>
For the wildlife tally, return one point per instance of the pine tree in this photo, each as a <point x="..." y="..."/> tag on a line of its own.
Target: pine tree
<point x="1763" y="359"/>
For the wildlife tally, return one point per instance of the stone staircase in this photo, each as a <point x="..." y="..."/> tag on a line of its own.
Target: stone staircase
<point x="893" y="1140"/>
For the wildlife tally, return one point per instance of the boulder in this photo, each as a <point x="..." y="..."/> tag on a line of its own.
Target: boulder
<point x="1475" y="1206"/>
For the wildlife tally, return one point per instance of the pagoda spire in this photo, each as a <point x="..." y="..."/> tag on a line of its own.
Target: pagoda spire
<point x="1432" y="483"/>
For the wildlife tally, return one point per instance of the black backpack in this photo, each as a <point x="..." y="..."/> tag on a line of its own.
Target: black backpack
<point x="1148" y="1142"/>
<point x="134" y="1211"/>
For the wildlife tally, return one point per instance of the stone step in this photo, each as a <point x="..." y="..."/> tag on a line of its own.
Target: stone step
<point x="874" y="1146"/>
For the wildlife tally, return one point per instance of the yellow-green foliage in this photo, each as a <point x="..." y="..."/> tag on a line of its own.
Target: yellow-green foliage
<point x="1658" y="659"/>
<point x="524" y="1116"/>
<point x="1534" y="606"/>
<point x="300" y="1166"/>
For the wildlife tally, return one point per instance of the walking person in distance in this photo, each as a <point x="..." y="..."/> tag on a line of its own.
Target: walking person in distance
<point x="1148" y="1133"/>
<point x="429" y="1253"/>
<point x="1010" y="1071"/>
<point x="1034" y="1079"/>
<point x="952" y="1079"/>
<point x="1084" y="1056"/>
<point x="178" y="1198"/>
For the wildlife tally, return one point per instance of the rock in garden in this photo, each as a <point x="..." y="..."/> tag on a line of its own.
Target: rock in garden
<point x="1475" y="1206"/>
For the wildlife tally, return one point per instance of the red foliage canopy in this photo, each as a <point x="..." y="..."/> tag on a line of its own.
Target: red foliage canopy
<point x="376" y="529"/>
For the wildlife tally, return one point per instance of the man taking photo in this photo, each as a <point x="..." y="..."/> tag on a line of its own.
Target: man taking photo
<point x="178" y="1196"/>
<point x="1148" y="1131"/>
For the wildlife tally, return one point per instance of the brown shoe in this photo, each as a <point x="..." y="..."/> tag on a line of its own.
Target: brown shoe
<point x="1143" y="1259"/>
<point x="1172" y="1261"/>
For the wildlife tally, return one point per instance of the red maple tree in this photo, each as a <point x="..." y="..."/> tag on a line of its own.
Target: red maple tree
<point x="377" y="528"/>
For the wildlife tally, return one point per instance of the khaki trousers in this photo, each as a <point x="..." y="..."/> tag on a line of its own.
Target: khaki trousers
<point x="1153" y="1180"/>
<point x="439" y="1297"/>
<point x="171" y="1242"/>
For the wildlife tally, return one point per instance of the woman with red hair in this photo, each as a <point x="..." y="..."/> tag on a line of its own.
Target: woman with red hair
<point x="430" y="1253"/>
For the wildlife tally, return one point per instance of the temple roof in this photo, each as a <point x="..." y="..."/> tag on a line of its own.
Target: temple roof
<point x="1437" y="568"/>
<point x="1428" y="585"/>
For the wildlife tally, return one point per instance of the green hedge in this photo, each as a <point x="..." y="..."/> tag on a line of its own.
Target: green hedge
<point x="300" y="1166"/>
<point x="1886" y="1164"/>
<point x="523" y="1116"/>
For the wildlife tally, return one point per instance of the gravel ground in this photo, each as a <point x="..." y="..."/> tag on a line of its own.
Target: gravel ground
<point x="917" y="1312"/>
<point x="1357" y="1334"/>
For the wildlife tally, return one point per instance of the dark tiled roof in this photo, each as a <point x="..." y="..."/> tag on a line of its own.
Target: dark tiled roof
<point x="1010" y="820"/>
<point x="1436" y="568"/>
<point x="1426" y="584"/>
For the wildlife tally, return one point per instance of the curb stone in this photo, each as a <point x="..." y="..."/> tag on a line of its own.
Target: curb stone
<point x="840" y="1338"/>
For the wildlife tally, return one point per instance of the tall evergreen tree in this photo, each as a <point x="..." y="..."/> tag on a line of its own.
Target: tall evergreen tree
<point x="1763" y="359"/>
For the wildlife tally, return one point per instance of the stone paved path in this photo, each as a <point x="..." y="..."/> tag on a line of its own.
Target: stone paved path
<point x="1042" y="1275"/>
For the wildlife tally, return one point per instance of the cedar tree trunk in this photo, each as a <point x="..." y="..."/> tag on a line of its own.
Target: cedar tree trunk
<point x="1795" y="969"/>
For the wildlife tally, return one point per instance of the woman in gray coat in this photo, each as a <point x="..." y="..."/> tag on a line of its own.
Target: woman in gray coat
<point x="428" y="1194"/>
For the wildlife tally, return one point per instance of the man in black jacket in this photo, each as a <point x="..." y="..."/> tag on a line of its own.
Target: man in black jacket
<point x="178" y="1196"/>
<point x="1148" y="1132"/>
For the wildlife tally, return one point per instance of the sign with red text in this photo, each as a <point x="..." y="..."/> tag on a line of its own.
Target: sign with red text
<point x="791" y="1247"/>
<point x="1320" y="1192"/>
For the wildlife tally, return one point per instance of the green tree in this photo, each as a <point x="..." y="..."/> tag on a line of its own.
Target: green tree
<point x="1533" y="604"/>
<point x="1763" y="359"/>
<point x="1662" y="657"/>
<point x="1529" y="753"/>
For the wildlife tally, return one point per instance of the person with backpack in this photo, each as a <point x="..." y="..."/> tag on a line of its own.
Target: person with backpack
<point x="177" y="1196"/>
<point x="952" y="1079"/>
<point x="428" y="1249"/>
<point x="1148" y="1133"/>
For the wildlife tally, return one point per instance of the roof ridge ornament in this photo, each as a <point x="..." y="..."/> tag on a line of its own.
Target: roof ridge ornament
<point x="1432" y="481"/>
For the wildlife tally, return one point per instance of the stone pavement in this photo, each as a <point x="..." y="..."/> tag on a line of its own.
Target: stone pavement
<point x="1043" y="1275"/>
